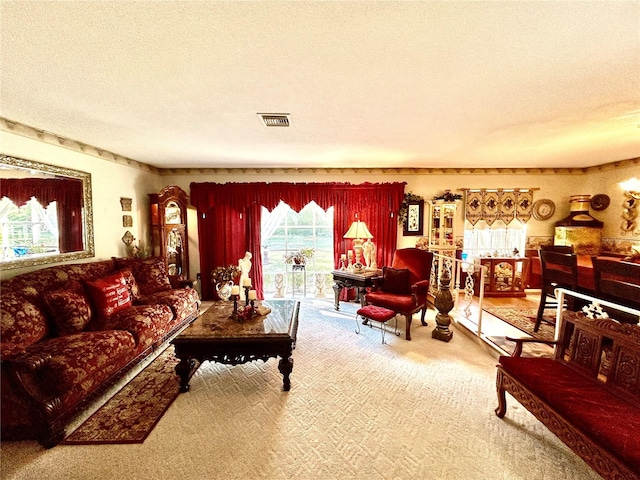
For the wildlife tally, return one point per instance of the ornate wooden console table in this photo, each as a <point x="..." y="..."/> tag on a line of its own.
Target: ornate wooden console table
<point x="359" y="281"/>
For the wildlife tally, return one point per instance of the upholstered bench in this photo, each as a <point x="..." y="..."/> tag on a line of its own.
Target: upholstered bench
<point x="587" y="395"/>
<point x="377" y="314"/>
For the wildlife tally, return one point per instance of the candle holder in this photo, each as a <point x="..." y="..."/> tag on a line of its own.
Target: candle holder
<point x="246" y="295"/>
<point x="235" y="306"/>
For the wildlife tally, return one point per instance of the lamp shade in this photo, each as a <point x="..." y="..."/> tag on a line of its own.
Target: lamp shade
<point x="358" y="229"/>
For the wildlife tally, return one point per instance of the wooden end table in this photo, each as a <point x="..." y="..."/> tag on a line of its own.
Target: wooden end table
<point x="359" y="281"/>
<point x="217" y="337"/>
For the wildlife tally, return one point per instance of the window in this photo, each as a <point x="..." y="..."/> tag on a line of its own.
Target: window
<point x="499" y="240"/>
<point x="31" y="229"/>
<point x="284" y="231"/>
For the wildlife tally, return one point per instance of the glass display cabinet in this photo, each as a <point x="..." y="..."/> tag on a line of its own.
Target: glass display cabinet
<point x="442" y="235"/>
<point x="169" y="230"/>
<point x="442" y="225"/>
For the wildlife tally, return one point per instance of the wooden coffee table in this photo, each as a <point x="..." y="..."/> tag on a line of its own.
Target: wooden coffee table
<point x="217" y="337"/>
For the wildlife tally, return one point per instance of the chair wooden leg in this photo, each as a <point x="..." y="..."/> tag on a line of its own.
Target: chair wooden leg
<point x="543" y="301"/>
<point x="424" y="312"/>
<point x="408" y="316"/>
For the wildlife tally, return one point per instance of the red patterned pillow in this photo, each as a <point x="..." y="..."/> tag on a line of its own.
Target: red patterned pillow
<point x="69" y="309"/>
<point x="132" y="285"/>
<point x="150" y="274"/>
<point x="109" y="294"/>
<point x="395" y="280"/>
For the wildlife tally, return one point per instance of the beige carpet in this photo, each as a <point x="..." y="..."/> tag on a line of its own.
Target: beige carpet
<point x="357" y="409"/>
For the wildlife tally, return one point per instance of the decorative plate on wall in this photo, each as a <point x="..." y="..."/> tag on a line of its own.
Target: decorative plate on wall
<point x="543" y="209"/>
<point x="600" y="201"/>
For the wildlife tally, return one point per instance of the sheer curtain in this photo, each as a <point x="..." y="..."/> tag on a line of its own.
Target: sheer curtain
<point x="229" y="218"/>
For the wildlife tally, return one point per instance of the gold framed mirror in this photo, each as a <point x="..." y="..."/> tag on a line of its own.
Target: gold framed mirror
<point x="46" y="213"/>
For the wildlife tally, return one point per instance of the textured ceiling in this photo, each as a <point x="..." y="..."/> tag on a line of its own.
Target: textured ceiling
<point x="367" y="84"/>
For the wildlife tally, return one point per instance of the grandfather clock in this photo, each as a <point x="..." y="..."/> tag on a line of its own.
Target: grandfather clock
<point x="169" y="230"/>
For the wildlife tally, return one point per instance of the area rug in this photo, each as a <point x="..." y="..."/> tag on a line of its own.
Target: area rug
<point x="525" y="319"/>
<point x="130" y="415"/>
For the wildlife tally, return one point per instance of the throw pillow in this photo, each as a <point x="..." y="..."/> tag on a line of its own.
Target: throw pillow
<point x="132" y="285"/>
<point x="109" y="294"/>
<point x="395" y="280"/>
<point x="69" y="309"/>
<point x="150" y="274"/>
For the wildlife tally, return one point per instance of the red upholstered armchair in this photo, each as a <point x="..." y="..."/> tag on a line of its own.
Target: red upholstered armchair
<point x="403" y="287"/>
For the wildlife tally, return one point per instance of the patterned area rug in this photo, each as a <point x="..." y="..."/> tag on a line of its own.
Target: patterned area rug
<point x="524" y="320"/>
<point x="130" y="415"/>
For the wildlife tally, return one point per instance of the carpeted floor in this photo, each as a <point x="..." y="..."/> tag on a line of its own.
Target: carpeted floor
<point x="357" y="409"/>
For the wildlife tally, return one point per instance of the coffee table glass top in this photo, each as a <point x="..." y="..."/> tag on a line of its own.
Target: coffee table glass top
<point x="216" y="321"/>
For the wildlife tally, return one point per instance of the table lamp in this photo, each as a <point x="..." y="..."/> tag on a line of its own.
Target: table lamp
<point x="358" y="231"/>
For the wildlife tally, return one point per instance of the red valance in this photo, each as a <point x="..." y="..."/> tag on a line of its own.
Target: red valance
<point x="66" y="191"/>
<point x="240" y="196"/>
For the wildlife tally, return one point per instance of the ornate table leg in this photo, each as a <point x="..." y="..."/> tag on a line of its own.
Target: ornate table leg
<point x="286" y="366"/>
<point x="337" y="288"/>
<point x="185" y="370"/>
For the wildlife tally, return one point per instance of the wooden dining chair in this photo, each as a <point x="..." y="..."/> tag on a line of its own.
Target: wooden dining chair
<point x="619" y="282"/>
<point x="558" y="270"/>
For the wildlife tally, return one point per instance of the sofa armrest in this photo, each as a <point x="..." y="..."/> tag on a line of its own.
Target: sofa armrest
<point x="29" y="363"/>
<point x="22" y="372"/>
<point x="521" y="341"/>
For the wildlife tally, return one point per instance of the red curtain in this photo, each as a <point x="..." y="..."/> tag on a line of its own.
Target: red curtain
<point x="229" y="218"/>
<point x="66" y="191"/>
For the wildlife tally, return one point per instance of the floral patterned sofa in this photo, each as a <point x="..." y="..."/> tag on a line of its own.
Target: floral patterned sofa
<point x="69" y="332"/>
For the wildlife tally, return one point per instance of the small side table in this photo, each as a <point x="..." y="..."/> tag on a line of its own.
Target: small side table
<point x="359" y="281"/>
<point x="298" y="268"/>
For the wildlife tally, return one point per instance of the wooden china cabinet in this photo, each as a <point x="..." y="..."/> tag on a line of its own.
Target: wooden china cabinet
<point x="169" y="230"/>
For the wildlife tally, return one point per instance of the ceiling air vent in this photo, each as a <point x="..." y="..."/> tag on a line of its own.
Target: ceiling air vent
<point x="275" y="119"/>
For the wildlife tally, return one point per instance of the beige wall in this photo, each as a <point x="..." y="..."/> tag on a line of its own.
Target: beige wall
<point x="112" y="180"/>
<point x="554" y="186"/>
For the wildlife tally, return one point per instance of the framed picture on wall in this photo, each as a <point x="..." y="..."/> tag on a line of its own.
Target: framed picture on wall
<point x="415" y="218"/>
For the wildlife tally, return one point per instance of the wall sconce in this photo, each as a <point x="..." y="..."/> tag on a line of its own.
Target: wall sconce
<point x="631" y="189"/>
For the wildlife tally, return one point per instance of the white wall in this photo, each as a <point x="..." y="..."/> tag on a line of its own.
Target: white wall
<point x="109" y="180"/>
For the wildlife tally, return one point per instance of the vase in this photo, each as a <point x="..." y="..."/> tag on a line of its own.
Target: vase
<point x="224" y="289"/>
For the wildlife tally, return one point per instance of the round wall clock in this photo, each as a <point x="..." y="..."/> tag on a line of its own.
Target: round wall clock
<point x="543" y="209"/>
<point x="600" y="201"/>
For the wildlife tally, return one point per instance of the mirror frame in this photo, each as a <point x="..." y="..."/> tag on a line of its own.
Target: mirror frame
<point x="87" y="217"/>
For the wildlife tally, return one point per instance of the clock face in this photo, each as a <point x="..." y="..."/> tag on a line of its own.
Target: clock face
<point x="543" y="209"/>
